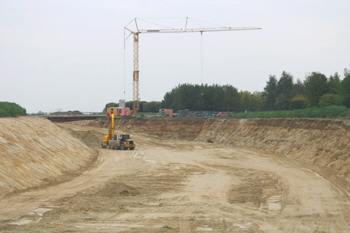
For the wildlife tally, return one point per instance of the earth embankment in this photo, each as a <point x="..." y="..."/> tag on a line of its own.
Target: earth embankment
<point x="35" y="152"/>
<point x="189" y="185"/>
<point x="323" y="143"/>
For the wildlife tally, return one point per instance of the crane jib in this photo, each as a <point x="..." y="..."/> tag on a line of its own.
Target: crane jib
<point x="138" y="30"/>
<point x="201" y="30"/>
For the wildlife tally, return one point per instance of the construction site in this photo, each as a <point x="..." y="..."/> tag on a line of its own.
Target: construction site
<point x="185" y="175"/>
<point x="123" y="173"/>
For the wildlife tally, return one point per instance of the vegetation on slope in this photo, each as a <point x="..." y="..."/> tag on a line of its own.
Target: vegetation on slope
<point x="11" y="110"/>
<point x="314" y="112"/>
<point x="75" y="112"/>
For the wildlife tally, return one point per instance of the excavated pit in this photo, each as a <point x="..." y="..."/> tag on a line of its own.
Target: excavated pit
<point x="323" y="143"/>
<point x="36" y="152"/>
<point x="258" y="175"/>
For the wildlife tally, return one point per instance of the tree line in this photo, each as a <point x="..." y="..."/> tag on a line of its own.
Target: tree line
<point x="316" y="91"/>
<point x="283" y="93"/>
<point x="224" y="98"/>
<point x="279" y="94"/>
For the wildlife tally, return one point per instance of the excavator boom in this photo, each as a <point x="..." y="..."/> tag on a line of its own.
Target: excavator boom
<point x="111" y="128"/>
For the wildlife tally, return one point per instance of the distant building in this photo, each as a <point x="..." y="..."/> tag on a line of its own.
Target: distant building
<point x="118" y="111"/>
<point x="166" y="112"/>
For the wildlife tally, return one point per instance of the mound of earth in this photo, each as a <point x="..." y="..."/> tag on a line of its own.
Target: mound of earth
<point x="113" y="188"/>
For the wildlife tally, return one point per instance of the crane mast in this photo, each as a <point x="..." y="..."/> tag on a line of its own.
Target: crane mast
<point x="136" y="72"/>
<point x="137" y="31"/>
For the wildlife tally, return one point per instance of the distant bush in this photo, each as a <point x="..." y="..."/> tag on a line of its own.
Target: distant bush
<point x="298" y="102"/>
<point x="75" y="112"/>
<point x="11" y="110"/>
<point x="323" y="112"/>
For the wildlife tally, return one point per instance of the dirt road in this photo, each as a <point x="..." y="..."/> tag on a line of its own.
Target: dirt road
<point x="179" y="186"/>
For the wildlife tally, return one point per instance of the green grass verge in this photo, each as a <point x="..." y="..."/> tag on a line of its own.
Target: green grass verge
<point x="324" y="112"/>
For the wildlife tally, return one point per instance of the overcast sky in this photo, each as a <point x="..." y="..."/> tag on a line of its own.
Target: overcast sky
<point x="69" y="54"/>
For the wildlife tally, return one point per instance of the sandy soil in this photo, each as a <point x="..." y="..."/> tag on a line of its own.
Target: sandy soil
<point x="179" y="186"/>
<point x="35" y="153"/>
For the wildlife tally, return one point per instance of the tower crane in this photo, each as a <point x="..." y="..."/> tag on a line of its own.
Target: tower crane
<point x="135" y="32"/>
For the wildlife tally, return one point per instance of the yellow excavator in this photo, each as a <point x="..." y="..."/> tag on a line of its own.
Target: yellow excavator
<point x="115" y="141"/>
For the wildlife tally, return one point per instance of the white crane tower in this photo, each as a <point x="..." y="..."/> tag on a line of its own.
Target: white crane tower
<point x="138" y="30"/>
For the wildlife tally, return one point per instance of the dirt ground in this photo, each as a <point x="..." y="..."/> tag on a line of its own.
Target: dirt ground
<point x="182" y="186"/>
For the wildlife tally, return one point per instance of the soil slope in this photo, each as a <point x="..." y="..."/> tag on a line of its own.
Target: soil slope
<point x="35" y="152"/>
<point x="171" y="185"/>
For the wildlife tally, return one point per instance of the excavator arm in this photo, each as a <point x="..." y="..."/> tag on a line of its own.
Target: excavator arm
<point x="111" y="128"/>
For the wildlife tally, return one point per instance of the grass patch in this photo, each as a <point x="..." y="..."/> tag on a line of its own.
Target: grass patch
<point x="323" y="112"/>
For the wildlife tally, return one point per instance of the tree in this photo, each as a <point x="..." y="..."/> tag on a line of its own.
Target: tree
<point x="258" y="101"/>
<point x="282" y="102"/>
<point x="251" y="101"/>
<point x="152" y="106"/>
<point x="345" y="88"/>
<point x="168" y="99"/>
<point x="334" y="84"/>
<point x="316" y="85"/>
<point x="230" y="99"/>
<point x="244" y="101"/>
<point x="284" y="91"/>
<point x="298" y="102"/>
<point x="129" y="104"/>
<point x="270" y="93"/>
<point x="298" y="88"/>
<point x="111" y="104"/>
<point x="330" y="99"/>
<point x="202" y="97"/>
<point x="194" y="97"/>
